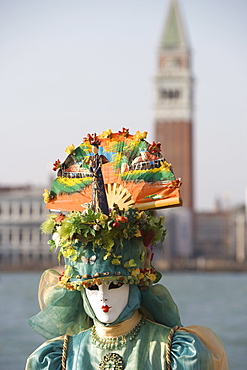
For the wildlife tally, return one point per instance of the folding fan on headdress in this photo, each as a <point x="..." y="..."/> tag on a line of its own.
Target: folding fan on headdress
<point x="135" y="174"/>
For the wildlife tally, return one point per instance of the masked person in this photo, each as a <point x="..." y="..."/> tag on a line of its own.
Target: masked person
<point x="107" y="310"/>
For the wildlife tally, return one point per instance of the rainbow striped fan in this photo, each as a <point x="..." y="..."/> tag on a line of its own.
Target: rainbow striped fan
<point x="114" y="168"/>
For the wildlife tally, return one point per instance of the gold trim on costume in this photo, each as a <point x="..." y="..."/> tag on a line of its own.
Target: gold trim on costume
<point x="64" y="352"/>
<point x="168" y="347"/>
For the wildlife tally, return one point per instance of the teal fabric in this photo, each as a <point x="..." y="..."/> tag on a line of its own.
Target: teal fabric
<point x="159" y="303"/>
<point x="64" y="315"/>
<point x="188" y="352"/>
<point x="146" y="352"/>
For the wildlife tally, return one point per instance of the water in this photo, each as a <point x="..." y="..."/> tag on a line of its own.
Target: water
<point x="218" y="301"/>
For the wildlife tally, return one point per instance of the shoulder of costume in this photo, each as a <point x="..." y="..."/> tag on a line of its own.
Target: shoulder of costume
<point x="164" y="327"/>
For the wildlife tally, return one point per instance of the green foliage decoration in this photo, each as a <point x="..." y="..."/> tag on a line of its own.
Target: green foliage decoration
<point x="102" y="230"/>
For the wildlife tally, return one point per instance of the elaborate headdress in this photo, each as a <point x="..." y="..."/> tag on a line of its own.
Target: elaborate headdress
<point x="110" y="230"/>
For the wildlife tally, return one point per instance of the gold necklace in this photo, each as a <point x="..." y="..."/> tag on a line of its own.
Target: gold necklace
<point x="114" y="343"/>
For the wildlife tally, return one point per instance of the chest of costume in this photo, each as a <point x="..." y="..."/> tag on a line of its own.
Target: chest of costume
<point x="146" y="351"/>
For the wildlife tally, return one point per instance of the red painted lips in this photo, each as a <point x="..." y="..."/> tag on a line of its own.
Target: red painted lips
<point x="105" y="308"/>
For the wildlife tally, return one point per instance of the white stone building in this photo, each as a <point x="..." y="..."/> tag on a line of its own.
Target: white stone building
<point x="22" y="244"/>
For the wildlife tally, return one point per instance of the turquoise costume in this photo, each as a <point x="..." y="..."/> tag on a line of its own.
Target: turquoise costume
<point x="147" y="351"/>
<point x="195" y="347"/>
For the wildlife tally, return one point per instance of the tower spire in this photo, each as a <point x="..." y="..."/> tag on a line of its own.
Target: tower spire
<point x="174" y="35"/>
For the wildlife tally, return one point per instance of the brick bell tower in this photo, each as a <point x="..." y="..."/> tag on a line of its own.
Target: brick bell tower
<point x="174" y="101"/>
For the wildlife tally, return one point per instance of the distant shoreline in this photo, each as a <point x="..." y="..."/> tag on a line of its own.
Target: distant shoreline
<point x="164" y="265"/>
<point x="201" y="264"/>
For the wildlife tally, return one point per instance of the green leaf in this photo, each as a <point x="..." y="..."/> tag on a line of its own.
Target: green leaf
<point x="47" y="226"/>
<point x="59" y="256"/>
<point x="52" y="244"/>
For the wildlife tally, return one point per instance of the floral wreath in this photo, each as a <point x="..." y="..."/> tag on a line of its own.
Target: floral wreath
<point x="104" y="231"/>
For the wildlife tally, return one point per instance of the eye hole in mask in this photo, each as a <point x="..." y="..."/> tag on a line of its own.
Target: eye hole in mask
<point x="93" y="287"/>
<point x="115" y="286"/>
<point x="111" y="286"/>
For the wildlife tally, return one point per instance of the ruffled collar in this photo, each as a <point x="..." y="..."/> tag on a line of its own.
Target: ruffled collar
<point x="122" y="328"/>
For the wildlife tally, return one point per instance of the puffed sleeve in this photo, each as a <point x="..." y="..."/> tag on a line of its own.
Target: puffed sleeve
<point x="47" y="357"/>
<point x="197" y="348"/>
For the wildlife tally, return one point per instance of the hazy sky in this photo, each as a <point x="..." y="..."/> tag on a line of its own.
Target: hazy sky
<point x="69" y="67"/>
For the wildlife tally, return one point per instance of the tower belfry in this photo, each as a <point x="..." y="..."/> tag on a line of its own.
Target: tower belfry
<point x="174" y="100"/>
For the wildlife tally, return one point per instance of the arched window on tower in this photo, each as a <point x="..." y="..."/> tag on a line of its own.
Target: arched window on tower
<point x="169" y="94"/>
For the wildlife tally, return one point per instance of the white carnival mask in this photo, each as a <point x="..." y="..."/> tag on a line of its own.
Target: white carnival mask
<point x="108" y="300"/>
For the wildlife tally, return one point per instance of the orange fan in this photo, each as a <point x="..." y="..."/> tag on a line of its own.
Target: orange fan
<point x="114" y="168"/>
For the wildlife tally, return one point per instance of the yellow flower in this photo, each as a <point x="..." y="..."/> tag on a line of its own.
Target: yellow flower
<point x="140" y="135"/>
<point x="139" y="215"/>
<point x="103" y="218"/>
<point x="142" y="256"/>
<point x="166" y="166"/>
<point x="106" y="256"/>
<point x="135" y="272"/>
<point x="70" y="252"/>
<point x="130" y="263"/>
<point x="64" y="280"/>
<point x="70" y="149"/>
<point x="141" y="276"/>
<point x="150" y="276"/>
<point x="105" y="134"/>
<point x="46" y="195"/>
<point x="138" y="234"/>
<point x="115" y="261"/>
